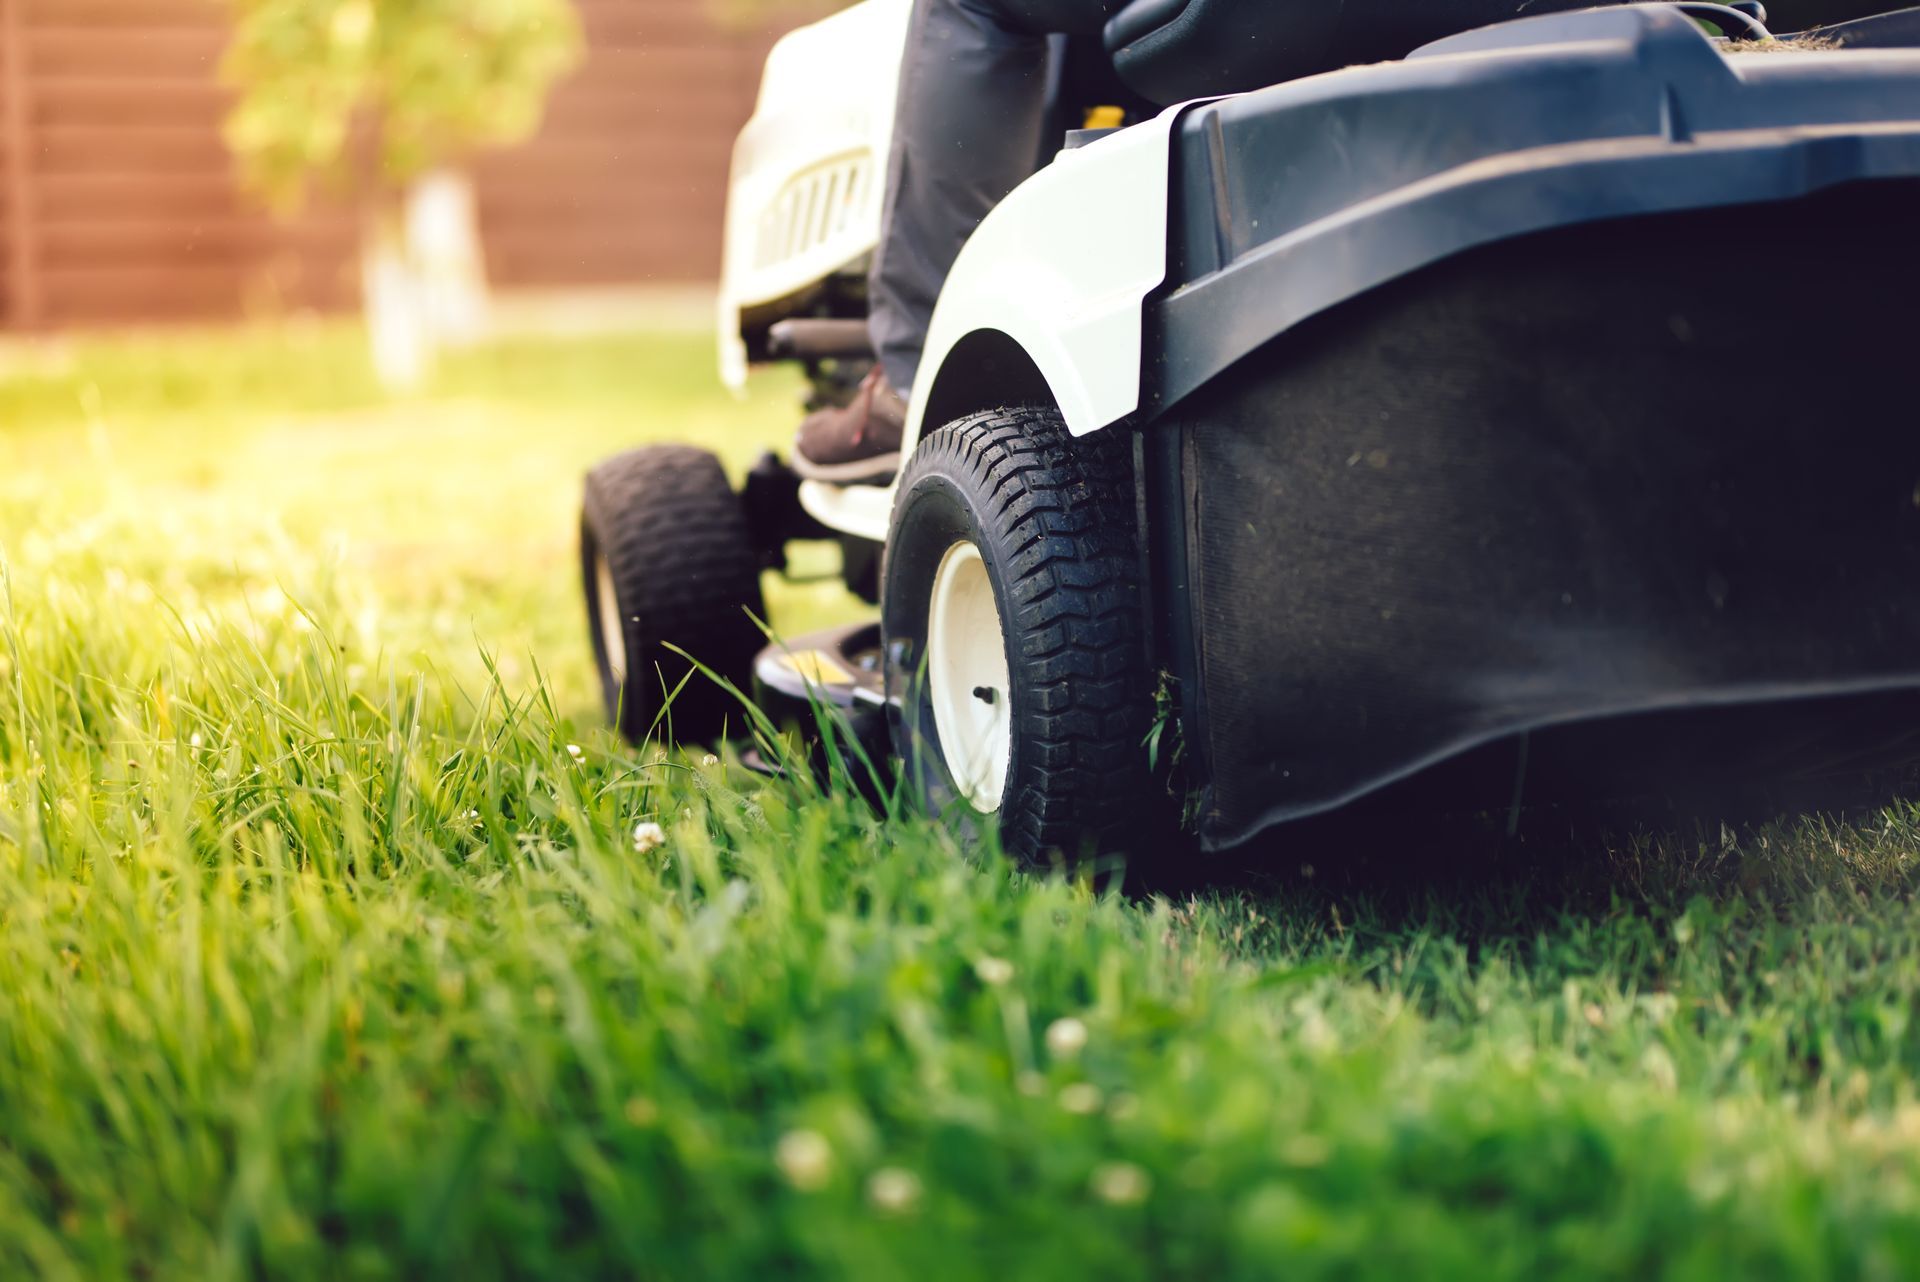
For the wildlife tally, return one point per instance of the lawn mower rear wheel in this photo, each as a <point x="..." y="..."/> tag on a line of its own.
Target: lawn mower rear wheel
<point x="1014" y="633"/>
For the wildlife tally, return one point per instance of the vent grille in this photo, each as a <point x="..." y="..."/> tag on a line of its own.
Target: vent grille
<point x="814" y="208"/>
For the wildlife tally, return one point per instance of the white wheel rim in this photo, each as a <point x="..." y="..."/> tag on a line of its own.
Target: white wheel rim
<point x="967" y="677"/>
<point x="613" y="630"/>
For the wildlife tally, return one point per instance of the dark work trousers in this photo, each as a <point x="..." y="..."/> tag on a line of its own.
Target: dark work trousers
<point x="973" y="89"/>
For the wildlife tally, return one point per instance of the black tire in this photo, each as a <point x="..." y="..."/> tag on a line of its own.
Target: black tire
<point x="1053" y="520"/>
<point x="683" y="571"/>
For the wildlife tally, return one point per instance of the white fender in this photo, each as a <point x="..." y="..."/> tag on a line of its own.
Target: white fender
<point x="1062" y="267"/>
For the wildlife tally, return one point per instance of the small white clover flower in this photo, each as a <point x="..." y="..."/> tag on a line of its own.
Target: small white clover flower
<point x="1660" y="1007"/>
<point x="1121" y="1183"/>
<point x="805" y="1158"/>
<point x="1660" y="1069"/>
<point x="993" y="971"/>
<point x="1317" y="1034"/>
<point x="575" y="751"/>
<point x="1083" y="1098"/>
<point x="1066" y="1037"/>
<point x="193" y="740"/>
<point x="709" y="760"/>
<point x="893" y="1190"/>
<point x="648" y="836"/>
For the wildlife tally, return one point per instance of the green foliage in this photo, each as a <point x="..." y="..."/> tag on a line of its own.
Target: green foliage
<point x="323" y="954"/>
<point x="424" y="79"/>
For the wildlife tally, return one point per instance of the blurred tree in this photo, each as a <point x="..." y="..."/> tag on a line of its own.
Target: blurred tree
<point x="377" y="95"/>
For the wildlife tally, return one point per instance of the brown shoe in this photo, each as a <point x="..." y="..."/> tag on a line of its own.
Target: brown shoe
<point x="860" y="442"/>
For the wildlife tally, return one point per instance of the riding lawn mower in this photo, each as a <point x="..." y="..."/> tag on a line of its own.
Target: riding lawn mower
<point x="1543" y="399"/>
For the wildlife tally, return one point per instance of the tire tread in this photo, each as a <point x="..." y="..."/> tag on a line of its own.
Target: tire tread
<point x="677" y="543"/>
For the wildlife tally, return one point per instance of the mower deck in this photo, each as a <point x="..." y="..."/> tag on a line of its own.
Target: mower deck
<point x="836" y="667"/>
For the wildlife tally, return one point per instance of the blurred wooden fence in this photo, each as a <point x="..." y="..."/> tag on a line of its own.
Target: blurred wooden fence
<point x="118" y="201"/>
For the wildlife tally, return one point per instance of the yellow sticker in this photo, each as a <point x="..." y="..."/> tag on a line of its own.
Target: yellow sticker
<point x="818" y="667"/>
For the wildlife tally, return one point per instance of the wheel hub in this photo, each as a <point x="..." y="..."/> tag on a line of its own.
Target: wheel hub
<point x="967" y="677"/>
<point x="613" y="630"/>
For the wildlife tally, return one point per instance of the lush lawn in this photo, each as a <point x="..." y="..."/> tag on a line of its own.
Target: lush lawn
<point x="325" y="948"/>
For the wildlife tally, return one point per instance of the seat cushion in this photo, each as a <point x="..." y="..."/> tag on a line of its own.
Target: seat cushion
<point x="1172" y="50"/>
<point x="1140" y="18"/>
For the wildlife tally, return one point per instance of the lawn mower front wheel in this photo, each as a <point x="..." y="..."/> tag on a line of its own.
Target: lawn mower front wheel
<point x="667" y="560"/>
<point x="1016" y="660"/>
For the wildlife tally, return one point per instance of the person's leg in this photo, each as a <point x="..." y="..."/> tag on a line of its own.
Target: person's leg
<point x="972" y="98"/>
<point x="966" y="130"/>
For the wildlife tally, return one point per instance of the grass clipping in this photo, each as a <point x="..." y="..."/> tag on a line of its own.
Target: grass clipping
<point x="1798" y="44"/>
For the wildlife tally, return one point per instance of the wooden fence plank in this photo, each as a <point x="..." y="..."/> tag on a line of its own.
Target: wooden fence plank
<point x="122" y="14"/>
<point x="133" y="148"/>
<point x="235" y="240"/>
<point x="186" y="54"/>
<point x="112" y="101"/>
<point x="25" y="304"/>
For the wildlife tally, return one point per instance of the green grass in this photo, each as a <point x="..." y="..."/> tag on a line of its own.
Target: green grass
<point x="322" y="954"/>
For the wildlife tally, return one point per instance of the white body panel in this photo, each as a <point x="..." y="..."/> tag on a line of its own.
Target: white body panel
<point x="1062" y="267"/>
<point x="803" y="199"/>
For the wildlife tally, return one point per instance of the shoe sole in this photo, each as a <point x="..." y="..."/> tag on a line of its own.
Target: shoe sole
<point x="880" y="467"/>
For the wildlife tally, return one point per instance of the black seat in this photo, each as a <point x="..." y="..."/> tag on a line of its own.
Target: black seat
<point x="1172" y="50"/>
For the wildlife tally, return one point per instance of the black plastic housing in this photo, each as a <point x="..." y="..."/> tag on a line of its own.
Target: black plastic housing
<point x="1661" y="463"/>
